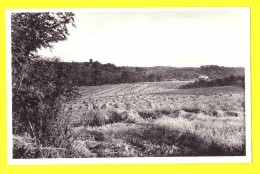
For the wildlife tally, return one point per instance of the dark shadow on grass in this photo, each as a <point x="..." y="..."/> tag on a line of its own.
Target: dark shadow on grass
<point x="190" y="144"/>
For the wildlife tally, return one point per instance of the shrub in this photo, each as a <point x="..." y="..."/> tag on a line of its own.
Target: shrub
<point x="192" y="109"/>
<point x="218" y="113"/>
<point x="231" y="80"/>
<point x="132" y="116"/>
<point x="25" y="147"/>
<point x="102" y="117"/>
<point x="232" y="113"/>
<point x="153" y="114"/>
<point x="37" y="101"/>
<point x="116" y="115"/>
<point x="39" y="86"/>
<point x="94" y="118"/>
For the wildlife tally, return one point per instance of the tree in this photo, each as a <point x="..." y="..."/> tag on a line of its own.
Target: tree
<point x="124" y="77"/>
<point x="37" y="84"/>
<point x="30" y="31"/>
<point x="35" y="30"/>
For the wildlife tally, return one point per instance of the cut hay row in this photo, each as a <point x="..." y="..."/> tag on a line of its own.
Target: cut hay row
<point x="172" y="122"/>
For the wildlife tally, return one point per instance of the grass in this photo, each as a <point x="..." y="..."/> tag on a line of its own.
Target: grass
<point x="173" y="122"/>
<point x="167" y="135"/>
<point x="164" y="136"/>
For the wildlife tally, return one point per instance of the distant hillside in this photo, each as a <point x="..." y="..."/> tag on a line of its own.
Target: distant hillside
<point x="212" y="71"/>
<point x="96" y="73"/>
<point x="238" y="81"/>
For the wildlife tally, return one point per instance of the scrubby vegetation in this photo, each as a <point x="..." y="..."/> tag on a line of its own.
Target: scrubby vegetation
<point x="207" y="123"/>
<point x="227" y="81"/>
<point x="56" y="116"/>
<point x="39" y="86"/>
<point x="95" y="73"/>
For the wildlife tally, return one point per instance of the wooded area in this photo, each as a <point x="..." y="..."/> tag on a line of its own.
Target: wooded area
<point x="40" y="86"/>
<point x="95" y="73"/>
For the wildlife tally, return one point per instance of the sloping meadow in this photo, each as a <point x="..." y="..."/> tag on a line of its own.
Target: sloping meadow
<point x="207" y="124"/>
<point x="210" y="122"/>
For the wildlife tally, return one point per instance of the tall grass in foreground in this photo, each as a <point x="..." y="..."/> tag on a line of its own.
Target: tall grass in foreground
<point x="154" y="133"/>
<point x="205" y="135"/>
<point x="182" y="134"/>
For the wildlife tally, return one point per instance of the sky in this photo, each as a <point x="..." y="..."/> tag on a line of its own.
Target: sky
<point x="178" y="37"/>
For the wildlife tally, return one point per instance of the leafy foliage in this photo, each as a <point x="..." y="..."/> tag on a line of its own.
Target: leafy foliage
<point x="231" y="80"/>
<point x="30" y="31"/>
<point x="35" y="30"/>
<point x="95" y="73"/>
<point x="39" y="86"/>
<point x="39" y="97"/>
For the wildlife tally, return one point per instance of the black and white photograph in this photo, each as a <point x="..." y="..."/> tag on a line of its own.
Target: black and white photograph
<point x="125" y="85"/>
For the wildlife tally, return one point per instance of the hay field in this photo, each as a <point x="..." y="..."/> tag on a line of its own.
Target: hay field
<point x="156" y="120"/>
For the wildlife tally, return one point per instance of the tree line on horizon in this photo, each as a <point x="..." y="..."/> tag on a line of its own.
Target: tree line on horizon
<point x="226" y="81"/>
<point x="94" y="73"/>
<point x="40" y="86"/>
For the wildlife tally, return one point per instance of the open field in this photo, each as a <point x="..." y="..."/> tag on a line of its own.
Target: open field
<point x="180" y="96"/>
<point x="128" y="89"/>
<point x="157" y="119"/>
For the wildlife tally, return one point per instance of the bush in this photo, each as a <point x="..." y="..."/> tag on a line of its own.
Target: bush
<point x="94" y="118"/>
<point x="231" y="80"/>
<point x="39" y="86"/>
<point x="25" y="147"/>
<point x="110" y="116"/>
<point x="37" y="100"/>
<point x="116" y="116"/>
<point x="153" y="114"/>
